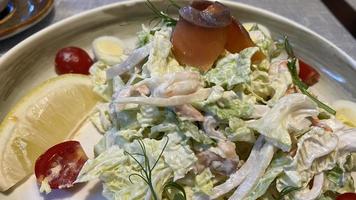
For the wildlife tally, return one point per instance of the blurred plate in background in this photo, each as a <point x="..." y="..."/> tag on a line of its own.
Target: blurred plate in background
<point x="22" y="14"/>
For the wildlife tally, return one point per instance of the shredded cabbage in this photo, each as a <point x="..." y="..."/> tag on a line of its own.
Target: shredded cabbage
<point x="241" y="130"/>
<point x="232" y="69"/>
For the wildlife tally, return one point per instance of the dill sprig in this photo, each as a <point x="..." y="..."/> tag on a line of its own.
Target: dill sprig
<point x="292" y="67"/>
<point x="288" y="47"/>
<point x="180" y="195"/>
<point x="168" y="20"/>
<point x="146" y="168"/>
<point x="174" y="4"/>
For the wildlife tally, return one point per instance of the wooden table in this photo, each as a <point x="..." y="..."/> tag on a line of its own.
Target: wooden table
<point x="310" y="13"/>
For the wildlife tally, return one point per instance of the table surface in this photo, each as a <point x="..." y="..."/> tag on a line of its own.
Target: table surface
<point x="310" y="13"/>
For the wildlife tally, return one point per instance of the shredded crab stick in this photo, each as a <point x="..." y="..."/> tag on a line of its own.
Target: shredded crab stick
<point x="347" y="141"/>
<point x="209" y="128"/>
<point x="168" y="79"/>
<point x="314" y="192"/>
<point x="189" y="112"/>
<point x="177" y="88"/>
<point x="200" y="95"/>
<point x="264" y="158"/>
<point x="134" y="59"/>
<point x="239" y="176"/>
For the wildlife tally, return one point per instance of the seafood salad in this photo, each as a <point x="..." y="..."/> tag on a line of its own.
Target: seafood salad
<point x="206" y="107"/>
<point x="209" y="108"/>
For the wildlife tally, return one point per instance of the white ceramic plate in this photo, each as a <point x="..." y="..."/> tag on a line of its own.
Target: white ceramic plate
<point x="31" y="62"/>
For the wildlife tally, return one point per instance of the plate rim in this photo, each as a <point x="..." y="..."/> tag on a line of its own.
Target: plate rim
<point x="17" y="48"/>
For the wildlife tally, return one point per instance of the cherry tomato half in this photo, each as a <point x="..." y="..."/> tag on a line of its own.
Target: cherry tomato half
<point x="72" y="60"/>
<point x="308" y="74"/>
<point x="347" y="196"/>
<point x="60" y="164"/>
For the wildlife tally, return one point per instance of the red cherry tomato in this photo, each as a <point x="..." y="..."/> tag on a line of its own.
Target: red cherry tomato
<point x="347" y="196"/>
<point x="60" y="164"/>
<point x="308" y="74"/>
<point x="72" y="60"/>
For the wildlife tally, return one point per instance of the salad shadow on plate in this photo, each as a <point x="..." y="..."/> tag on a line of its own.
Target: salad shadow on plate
<point x="94" y="193"/>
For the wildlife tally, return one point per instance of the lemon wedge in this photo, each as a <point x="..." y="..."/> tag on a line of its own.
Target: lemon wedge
<point x="47" y="115"/>
<point x="108" y="49"/>
<point x="346" y="112"/>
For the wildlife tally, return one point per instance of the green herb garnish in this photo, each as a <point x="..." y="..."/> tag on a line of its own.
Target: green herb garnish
<point x="180" y="195"/>
<point x="288" y="47"/>
<point x="174" y="4"/>
<point x="296" y="80"/>
<point x="254" y="27"/>
<point x="286" y="191"/>
<point x="169" y="21"/>
<point x="323" y="115"/>
<point x="146" y="169"/>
